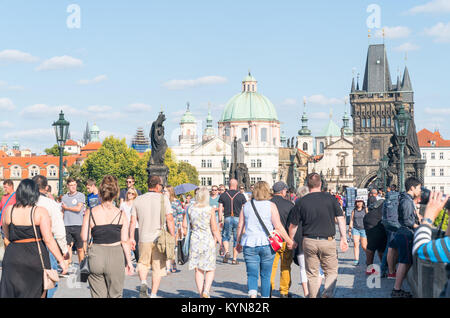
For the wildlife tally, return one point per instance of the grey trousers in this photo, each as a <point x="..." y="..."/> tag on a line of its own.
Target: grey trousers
<point x="107" y="276"/>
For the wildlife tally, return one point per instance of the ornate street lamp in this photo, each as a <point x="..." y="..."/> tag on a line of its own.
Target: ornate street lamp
<point x="274" y="176"/>
<point x="384" y="166"/>
<point x="224" y="167"/>
<point x="61" y="130"/>
<point x="401" y="121"/>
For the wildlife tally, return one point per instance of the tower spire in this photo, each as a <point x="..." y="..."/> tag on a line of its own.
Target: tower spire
<point x="305" y="131"/>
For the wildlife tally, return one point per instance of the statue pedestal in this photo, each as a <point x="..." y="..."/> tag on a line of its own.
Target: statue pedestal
<point x="160" y="171"/>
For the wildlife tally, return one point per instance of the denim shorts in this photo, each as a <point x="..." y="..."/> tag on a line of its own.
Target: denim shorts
<point x="357" y="232"/>
<point x="403" y="241"/>
<point x="230" y="227"/>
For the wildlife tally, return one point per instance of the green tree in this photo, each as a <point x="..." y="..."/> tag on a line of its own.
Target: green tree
<point x="75" y="172"/>
<point x="190" y="171"/>
<point x="438" y="220"/>
<point x="54" y="151"/>
<point x="115" y="158"/>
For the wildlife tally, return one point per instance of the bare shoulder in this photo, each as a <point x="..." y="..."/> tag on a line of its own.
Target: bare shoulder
<point x="40" y="210"/>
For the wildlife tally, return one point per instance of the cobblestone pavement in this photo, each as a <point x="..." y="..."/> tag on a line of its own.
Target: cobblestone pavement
<point x="231" y="282"/>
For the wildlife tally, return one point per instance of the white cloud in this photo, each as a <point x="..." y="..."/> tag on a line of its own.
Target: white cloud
<point x="289" y="102"/>
<point x="95" y="80"/>
<point x="6" y="124"/>
<point x="17" y="56"/>
<point x="31" y="134"/>
<point x="205" y="80"/>
<point x="138" y="108"/>
<point x="406" y="47"/>
<point x="43" y="110"/>
<point x="99" y="108"/>
<point x="323" y="100"/>
<point x="393" y="32"/>
<point x="435" y="6"/>
<point x="6" y="104"/>
<point x="440" y="32"/>
<point x="437" y="111"/>
<point x="59" y="63"/>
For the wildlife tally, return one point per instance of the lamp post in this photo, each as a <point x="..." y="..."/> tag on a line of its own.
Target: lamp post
<point x="224" y="168"/>
<point x="384" y="166"/>
<point x="61" y="129"/>
<point x="274" y="176"/>
<point x="401" y="121"/>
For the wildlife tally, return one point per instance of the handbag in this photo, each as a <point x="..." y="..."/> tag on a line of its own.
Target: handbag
<point x="50" y="276"/>
<point x="84" y="265"/>
<point x="184" y="244"/>
<point x="165" y="242"/>
<point x="275" y="240"/>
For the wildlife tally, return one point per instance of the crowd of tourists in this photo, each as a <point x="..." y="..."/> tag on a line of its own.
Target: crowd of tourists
<point x="117" y="232"/>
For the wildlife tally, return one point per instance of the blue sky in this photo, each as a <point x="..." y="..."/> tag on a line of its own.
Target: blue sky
<point x="130" y="58"/>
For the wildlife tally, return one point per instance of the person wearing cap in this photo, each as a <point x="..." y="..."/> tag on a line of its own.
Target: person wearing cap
<point x="283" y="254"/>
<point x="356" y="228"/>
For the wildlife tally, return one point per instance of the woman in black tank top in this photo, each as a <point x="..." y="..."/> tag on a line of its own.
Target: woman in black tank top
<point x="22" y="274"/>
<point x="109" y="231"/>
<point x="356" y="229"/>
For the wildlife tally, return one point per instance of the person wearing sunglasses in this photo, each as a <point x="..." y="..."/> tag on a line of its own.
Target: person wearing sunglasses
<point x="123" y="192"/>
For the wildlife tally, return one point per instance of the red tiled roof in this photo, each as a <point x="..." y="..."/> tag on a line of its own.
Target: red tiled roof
<point x="425" y="137"/>
<point x="71" y="142"/>
<point x="92" y="146"/>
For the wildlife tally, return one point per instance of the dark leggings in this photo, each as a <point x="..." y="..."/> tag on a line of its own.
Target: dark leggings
<point x="136" y="238"/>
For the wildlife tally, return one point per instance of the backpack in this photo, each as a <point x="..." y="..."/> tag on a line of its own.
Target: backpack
<point x="390" y="212"/>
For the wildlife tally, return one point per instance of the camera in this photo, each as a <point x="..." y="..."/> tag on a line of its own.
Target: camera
<point x="425" y="197"/>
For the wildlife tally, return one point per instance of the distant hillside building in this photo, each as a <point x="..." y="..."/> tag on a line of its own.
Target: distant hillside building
<point x="139" y="142"/>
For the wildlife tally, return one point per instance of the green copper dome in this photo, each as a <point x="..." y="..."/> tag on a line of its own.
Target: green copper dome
<point x="249" y="104"/>
<point x="331" y="129"/>
<point x="188" y="117"/>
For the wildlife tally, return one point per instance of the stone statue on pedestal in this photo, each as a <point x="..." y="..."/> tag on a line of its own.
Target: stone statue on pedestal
<point x="238" y="168"/>
<point x="156" y="166"/>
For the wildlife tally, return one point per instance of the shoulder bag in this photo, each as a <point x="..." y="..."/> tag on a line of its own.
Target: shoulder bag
<point x="165" y="242"/>
<point x="50" y="276"/>
<point x="275" y="240"/>
<point x="84" y="265"/>
<point x="184" y="244"/>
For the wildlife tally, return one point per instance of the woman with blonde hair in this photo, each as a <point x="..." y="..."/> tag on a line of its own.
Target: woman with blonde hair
<point x="177" y="212"/>
<point x="204" y="236"/>
<point x="126" y="207"/>
<point x="258" y="254"/>
<point x="109" y="229"/>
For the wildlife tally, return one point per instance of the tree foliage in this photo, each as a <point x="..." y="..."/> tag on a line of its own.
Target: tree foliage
<point x="437" y="222"/>
<point x="54" y="151"/>
<point x="75" y="172"/>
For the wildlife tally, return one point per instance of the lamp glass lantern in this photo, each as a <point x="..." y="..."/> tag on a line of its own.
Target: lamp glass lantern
<point x="401" y="122"/>
<point x="61" y="127"/>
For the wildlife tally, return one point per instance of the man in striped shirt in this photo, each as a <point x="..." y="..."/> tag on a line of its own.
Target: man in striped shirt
<point x="436" y="251"/>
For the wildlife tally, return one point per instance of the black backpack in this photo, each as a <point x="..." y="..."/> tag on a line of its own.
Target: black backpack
<point x="390" y="211"/>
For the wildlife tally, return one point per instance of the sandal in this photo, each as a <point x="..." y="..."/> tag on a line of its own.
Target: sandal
<point x="235" y="262"/>
<point x="226" y="257"/>
<point x="174" y="269"/>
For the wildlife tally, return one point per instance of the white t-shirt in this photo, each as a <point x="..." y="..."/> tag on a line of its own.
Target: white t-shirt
<point x="58" y="228"/>
<point x="127" y="209"/>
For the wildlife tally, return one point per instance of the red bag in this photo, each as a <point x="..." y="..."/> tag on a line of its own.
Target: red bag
<point x="275" y="239"/>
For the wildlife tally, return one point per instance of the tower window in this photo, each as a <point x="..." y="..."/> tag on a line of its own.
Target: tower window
<point x="389" y="122"/>
<point x="244" y="134"/>
<point x="363" y="123"/>
<point x="383" y="122"/>
<point x="305" y="146"/>
<point x="321" y="147"/>
<point x="368" y="122"/>
<point x="264" y="134"/>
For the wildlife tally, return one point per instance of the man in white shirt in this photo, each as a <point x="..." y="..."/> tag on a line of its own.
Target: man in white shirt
<point x="58" y="228"/>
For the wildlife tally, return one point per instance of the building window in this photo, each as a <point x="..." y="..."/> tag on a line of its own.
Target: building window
<point x="34" y="171"/>
<point x="258" y="179"/>
<point x="203" y="163"/>
<point x="383" y="122"/>
<point x="433" y="188"/>
<point x="433" y="156"/>
<point x="441" y="189"/>
<point x="252" y="180"/>
<point x="16" y="172"/>
<point x="368" y="122"/>
<point x="341" y="172"/>
<point x="203" y="181"/>
<point x="209" y="163"/>
<point x="441" y="156"/>
<point x="209" y="181"/>
<point x="363" y="123"/>
<point x="424" y="156"/>
<point x="227" y="131"/>
<point x="441" y="172"/>
<point x="253" y="87"/>
<point x="253" y="163"/>
<point x="321" y="147"/>
<point x="389" y="122"/>
<point x="227" y="180"/>
<point x="305" y="146"/>
<point x="244" y="134"/>
<point x="259" y="163"/>
<point x="433" y="172"/>
<point x="264" y="134"/>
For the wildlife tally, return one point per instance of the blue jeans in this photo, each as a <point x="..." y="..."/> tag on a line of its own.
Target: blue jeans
<point x="230" y="226"/>
<point x="258" y="261"/>
<point x="390" y="236"/>
<point x="54" y="265"/>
